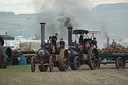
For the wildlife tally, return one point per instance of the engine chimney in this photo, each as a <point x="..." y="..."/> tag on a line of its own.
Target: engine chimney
<point x="69" y="35"/>
<point x="107" y="41"/>
<point x="42" y="33"/>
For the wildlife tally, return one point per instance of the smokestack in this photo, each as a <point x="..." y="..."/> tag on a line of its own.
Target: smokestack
<point x="42" y="33"/>
<point x="107" y="41"/>
<point x="69" y="35"/>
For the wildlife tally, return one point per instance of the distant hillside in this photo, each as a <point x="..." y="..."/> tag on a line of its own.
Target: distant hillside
<point x="13" y="15"/>
<point x="7" y="14"/>
<point x="108" y="7"/>
<point x="108" y="18"/>
<point x="113" y="18"/>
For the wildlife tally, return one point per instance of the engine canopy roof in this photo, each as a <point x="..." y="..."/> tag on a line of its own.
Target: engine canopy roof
<point x="85" y="32"/>
<point x="80" y="31"/>
<point x="6" y="37"/>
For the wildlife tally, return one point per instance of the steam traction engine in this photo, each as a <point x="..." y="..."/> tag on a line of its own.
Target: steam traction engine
<point x="45" y="56"/>
<point x="82" y="53"/>
<point x="5" y="52"/>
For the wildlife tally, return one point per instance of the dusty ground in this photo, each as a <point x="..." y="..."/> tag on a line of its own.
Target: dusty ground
<point x="106" y="75"/>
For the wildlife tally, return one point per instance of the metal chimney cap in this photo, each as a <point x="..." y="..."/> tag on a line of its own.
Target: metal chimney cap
<point x="42" y="23"/>
<point x="70" y="27"/>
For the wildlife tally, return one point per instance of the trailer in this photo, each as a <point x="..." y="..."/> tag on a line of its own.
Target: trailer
<point x="17" y="54"/>
<point x="120" y="59"/>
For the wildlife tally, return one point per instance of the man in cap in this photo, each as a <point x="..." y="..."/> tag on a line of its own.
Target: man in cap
<point x="53" y="39"/>
<point x="94" y="42"/>
<point x="62" y="43"/>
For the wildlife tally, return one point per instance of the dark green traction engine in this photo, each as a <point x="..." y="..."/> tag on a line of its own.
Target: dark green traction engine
<point x="45" y="56"/>
<point x="6" y="53"/>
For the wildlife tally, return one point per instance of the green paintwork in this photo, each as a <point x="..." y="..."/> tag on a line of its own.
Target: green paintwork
<point x="104" y="55"/>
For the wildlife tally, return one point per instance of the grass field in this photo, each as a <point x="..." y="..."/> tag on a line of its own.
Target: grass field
<point x="22" y="75"/>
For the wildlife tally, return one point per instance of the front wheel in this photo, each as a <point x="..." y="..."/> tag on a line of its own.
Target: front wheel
<point x="75" y="64"/>
<point x="93" y="58"/>
<point x="43" y="68"/>
<point x="33" y="64"/>
<point x="120" y="62"/>
<point x="51" y="64"/>
<point x="28" y="60"/>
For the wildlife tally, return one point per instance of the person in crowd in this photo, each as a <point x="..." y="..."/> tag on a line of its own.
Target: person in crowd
<point x="113" y="42"/>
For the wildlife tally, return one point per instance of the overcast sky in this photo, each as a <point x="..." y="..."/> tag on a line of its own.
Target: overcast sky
<point x="27" y="6"/>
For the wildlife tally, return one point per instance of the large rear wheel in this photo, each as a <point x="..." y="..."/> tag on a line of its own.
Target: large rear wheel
<point x="3" y="58"/>
<point x="75" y="65"/>
<point x="63" y="60"/>
<point x="4" y="61"/>
<point x="93" y="58"/>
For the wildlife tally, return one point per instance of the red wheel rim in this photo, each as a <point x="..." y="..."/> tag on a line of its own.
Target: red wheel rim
<point x="95" y="59"/>
<point x="66" y="62"/>
<point x="3" y="62"/>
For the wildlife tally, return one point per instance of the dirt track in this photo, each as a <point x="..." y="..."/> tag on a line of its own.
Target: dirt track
<point x="106" y="75"/>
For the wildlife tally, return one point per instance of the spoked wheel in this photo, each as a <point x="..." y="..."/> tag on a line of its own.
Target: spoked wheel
<point x="4" y="61"/>
<point x="3" y="58"/>
<point x="93" y="58"/>
<point x="76" y="63"/>
<point x="33" y="64"/>
<point x="43" y="68"/>
<point x="63" y="60"/>
<point x="120" y="63"/>
<point x="124" y="62"/>
<point x="28" y="60"/>
<point x="99" y="64"/>
<point x="9" y="54"/>
<point x="51" y="64"/>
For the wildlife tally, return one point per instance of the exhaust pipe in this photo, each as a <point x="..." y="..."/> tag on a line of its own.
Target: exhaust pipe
<point x="69" y="36"/>
<point x="107" y="41"/>
<point x="42" y="33"/>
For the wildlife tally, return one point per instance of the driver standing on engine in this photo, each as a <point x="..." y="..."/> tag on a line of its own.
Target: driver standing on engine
<point x="53" y="40"/>
<point x="62" y="43"/>
<point x="94" y="42"/>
